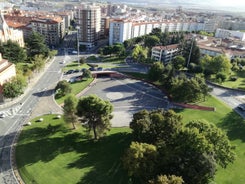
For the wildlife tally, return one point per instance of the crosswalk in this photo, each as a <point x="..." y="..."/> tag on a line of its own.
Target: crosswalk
<point x="11" y="111"/>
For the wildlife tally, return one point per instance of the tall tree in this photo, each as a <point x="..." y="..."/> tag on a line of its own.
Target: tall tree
<point x="13" y="52"/>
<point x="191" y="151"/>
<point x="63" y="87"/>
<point x="38" y="62"/>
<point x="178" y="62"/>
<point x="155" y="71"/>
<point x="95" y="113"/>
<point x="70" y="109"/>
<point x="151" y="41"/>
<point x="139" y="53"/>
<point x="36" y="45"/>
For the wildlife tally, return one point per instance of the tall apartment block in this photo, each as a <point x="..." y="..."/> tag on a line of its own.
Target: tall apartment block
<point x="53" y="29"/>
<point x="88" y="21"/>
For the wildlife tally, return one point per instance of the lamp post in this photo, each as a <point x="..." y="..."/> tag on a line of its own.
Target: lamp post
<point x="78" y="45"/>
<point x="189" y="58"/>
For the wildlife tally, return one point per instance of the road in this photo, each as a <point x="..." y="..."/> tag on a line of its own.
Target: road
<point x="32" y="105"/>
<point x="232" y="98"/>
<point x="19" y="114"/>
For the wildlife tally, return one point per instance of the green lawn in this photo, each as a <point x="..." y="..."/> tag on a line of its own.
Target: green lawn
<point x="74" y="65"/>
<point x="60" y="155"/>
<point x="239" y="83"/>
<point x="234" y="125"/>
<point x="77" y="87"/>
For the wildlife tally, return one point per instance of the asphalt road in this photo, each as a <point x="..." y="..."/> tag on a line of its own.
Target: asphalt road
<point x="232" y="98"/>
<point x="128" y="96"/>
<point x="18" y="114"/>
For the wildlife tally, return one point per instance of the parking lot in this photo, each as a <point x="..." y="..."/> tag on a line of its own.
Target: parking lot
<point x="127" y="96"/>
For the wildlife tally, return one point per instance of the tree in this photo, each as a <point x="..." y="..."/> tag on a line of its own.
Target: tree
<point x="82" y="60"/>
<point x="178" y="62"/>
<point x="13" y="52"/>
<point x="95" y="113"/>
<point x="151" y="41"/>
<point x="70" y="109"/>
<point x="163" y="179"/>
<point x="63" y="87"/>
<point x="191" y="52"/>
<point x="139" y="53"/>
<point x="38" y="63"/>
<point x="15" y="87"/>
<point x="215" y="65"/>
<point x="155" y="71"/>
<point x="36" y="45"/>
<point x="140" y="161"/>
<point x="87" y="73"/>
<point x="118" y="49"/>
<point x="191" y="151"/>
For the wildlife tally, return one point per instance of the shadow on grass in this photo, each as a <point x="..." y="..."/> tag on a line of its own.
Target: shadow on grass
<point x="104" y="156"/>
<point x="234" y="125"/>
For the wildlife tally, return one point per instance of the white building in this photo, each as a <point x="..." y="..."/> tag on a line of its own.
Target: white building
<point x="223" y="33"/>
<point x="120" y="31"/>
<point x="164" y="53"/>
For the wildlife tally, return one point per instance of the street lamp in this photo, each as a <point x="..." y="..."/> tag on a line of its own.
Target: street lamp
<point x="192" y="42"/>
<point x="77" y="28"/>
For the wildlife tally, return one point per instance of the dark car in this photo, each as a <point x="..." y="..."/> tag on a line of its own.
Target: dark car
<point x="92" y="69"/>
<point x="241" y="107"/>
<point x="100" y="69"/>
<point x="69" y="72"/>
<point x="76" y="71"/>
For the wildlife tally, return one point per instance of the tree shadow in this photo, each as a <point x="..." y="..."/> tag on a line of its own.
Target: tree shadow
<point x="48" y="92"/>
<point x="234" y="126"/>
<point x="44" y="144"/>
<point x="104" y="156"/>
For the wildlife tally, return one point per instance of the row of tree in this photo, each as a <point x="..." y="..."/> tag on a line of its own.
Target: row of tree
<point x="165" y="149"/>
<point x="29" y="59"/>
<point x="180" y="87"/>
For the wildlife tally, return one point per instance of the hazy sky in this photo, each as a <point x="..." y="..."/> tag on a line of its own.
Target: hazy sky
<point x="230" y="2"/>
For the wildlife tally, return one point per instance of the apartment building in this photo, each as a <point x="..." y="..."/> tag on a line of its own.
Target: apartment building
<point x="52" y="28"/>
<point x="88" y="21"/>
<point x="223" y="33"/>
<point x="119" y="31"/>
<point x="165" y="53"/>
<point x="7" y="71"/>
<point x="123" y="29"/>
<point x="8" y="33"/>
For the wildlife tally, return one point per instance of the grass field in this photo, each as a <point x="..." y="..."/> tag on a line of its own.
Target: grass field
<point x="239" y="83"/>
<point x="234" y="125"/>
<point x="59" y="154"/>
<point x="56" y="154"/>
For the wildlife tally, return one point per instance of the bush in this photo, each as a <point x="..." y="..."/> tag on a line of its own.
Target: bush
<point x="221" y="77"/>
<point x="233" y="78"/>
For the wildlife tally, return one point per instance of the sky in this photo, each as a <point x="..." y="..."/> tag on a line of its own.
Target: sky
<point x="228" y="3"/>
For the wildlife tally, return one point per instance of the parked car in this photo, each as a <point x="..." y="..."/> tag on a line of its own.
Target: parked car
<point x="2" y="115"/>
<point x="92" y="69"/>
<point x="100" y="69"/>
<point x="69" y="72"/>
<point x="241" y="107"/>
<point x="76" y="71"/>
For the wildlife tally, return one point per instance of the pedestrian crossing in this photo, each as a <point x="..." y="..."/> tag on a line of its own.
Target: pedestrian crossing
<point x="11" y="111"/>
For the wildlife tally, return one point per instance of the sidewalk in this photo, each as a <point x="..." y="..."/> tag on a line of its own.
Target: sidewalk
<point x="11" y="102"/>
